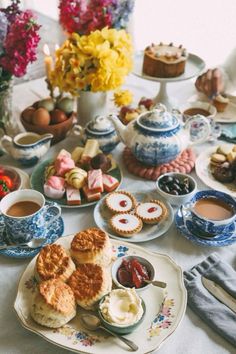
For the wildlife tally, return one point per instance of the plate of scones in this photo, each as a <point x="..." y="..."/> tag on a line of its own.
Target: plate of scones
<point x="134" y="216"/>
<point x="72" y="277"/>
<point x="79" y="178"/>
<point x="216" y="167"/>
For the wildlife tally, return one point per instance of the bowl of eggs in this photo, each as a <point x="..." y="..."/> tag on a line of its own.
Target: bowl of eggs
<point x="48" y="116"/>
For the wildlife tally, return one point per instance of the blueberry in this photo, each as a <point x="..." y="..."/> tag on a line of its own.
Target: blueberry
<point x="166" y="189"/>
<point x="174" y="192"/>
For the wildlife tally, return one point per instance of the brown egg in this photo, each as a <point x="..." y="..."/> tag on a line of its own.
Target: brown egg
<point x="27" y="114"/>
<point x="41" y="117"/>
<point x="57" y="116"/>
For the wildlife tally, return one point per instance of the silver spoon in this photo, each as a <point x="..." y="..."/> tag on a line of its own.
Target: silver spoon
<point x="92" y="323"/>
<point x="160" y="284"/>
<point x="34" y="243"/>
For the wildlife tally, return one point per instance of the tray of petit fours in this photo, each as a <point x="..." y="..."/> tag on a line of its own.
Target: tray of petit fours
<point x="76" y="277"/>
<point x="216" y="167"/>
<point x="77" y="179"/>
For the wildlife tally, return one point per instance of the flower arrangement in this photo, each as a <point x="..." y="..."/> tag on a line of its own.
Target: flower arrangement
<point x="123" y="98"/>
<point x="18" y="42"/>
<point x="85" y="16"/>
<point x="96" y="62"/>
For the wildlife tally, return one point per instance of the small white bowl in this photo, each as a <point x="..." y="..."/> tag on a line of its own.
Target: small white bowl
<point x="144" y="261"/>
<point x="177" y="200"/>
<point x="198" y="105"/>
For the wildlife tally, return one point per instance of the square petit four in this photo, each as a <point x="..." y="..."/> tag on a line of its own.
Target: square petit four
<point x="95" y="181"/>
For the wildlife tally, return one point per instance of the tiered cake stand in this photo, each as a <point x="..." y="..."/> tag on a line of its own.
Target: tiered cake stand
<point x="194" y="66"/>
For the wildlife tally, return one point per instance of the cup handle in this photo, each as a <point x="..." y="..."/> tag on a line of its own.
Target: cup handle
<point x="54" y="217"/>
<point x="205" y="133"/>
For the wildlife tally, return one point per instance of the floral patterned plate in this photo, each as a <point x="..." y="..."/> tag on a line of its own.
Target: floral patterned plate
<point x="164" y="309"/>
<point x="102" y="215"/>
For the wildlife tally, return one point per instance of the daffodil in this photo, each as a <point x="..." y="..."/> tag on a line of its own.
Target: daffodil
<point x="123" y="97"/>
<point x="99" y="61"/>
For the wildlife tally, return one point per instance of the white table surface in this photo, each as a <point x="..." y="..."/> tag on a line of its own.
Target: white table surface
<point x="192" y="336"/>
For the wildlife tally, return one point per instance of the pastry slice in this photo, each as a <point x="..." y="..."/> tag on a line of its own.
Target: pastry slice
<point x="90" y="195"/>
<point x="95" y="181"/>
<point x="151" y="212"/>
<point x="73" y="196"/>
<point x="126" y="224"/>
<point x="109" y="183"/>
<point x="120" y="202"/>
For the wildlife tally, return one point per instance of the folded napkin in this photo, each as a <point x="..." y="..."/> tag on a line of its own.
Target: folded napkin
<point x="217" y="315"/>
<point x="228" y="133"/>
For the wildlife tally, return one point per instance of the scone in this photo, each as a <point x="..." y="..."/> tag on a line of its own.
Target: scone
<point x="53" y="262"/>
<point x="54" y="304"/>
<point x="221" y="102"/>
<point x="126" y="224"/>
<point x="151" y="212"/>
<point x="91" y="246"/>
<point x="90" y="282"/>
<point x="120" y="202"/>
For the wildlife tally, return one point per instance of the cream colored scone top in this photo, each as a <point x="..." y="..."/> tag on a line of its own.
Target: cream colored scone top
<point x="54" y="304"/>
<point x="126" y="224"/>
<point x="115" y="199"/>
<point x="53" y="262"/>
<point x="91" y="246"/>
<point x="90" y="282"/>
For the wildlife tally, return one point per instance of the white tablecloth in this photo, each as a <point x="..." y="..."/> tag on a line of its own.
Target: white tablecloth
<point x="192" y="336"/>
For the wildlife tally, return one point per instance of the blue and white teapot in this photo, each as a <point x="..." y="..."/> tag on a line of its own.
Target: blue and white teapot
<point x="159" y="136"/>
<point x="101" y="129"/>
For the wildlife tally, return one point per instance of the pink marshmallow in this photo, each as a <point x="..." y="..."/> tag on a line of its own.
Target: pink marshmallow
<point x="63" y="164"/>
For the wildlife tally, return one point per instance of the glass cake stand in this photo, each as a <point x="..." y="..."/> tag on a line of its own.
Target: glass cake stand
<point x="194" y="66"/>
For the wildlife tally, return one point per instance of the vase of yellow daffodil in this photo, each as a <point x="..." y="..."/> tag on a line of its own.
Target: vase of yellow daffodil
<point x="89" y="66"/>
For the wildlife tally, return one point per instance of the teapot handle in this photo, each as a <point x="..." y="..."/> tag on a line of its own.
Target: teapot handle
<point x="199" y="129"/>
<point x="6" y="143"/>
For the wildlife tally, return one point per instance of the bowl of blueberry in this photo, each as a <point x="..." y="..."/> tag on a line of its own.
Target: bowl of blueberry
<point x="176" y="188"/>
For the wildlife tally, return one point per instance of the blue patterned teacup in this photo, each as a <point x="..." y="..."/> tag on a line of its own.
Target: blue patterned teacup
<point x="24" y="214"/>
<point x="206" y="221"/>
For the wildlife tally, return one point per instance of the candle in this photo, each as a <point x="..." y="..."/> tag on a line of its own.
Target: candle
<point x="48" y="61"/>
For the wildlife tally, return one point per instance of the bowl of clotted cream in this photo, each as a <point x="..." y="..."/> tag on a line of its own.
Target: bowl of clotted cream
<point x="122" y="310"/>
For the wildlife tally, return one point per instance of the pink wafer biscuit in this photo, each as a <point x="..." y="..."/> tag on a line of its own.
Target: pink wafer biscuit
<point x="95" y="183"/>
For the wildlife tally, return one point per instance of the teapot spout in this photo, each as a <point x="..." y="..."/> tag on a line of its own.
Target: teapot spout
<point x="119" y="126"/>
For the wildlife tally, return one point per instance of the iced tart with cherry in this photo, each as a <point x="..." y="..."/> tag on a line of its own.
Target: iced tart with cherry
<point x="126" y="224"/>
<point x="151" y="212"/>
<point x="120" y="202"/>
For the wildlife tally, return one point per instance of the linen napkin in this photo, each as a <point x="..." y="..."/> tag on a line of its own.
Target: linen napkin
<point x="228" y="133"/>
<point x="217" y="315"/>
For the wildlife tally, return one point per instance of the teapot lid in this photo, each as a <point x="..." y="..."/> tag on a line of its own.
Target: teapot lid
<point x="158" y="119"/>
<point x="100" y="125"/>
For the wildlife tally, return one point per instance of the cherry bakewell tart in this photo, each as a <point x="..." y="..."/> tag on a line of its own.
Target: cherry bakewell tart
<point x="151" y="212"/>
<point x="126" y="224"/>
<point x="120" y="202"/>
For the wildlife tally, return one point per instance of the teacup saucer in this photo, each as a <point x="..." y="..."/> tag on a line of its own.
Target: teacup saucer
<point x="53" y="232"/>
<point x="224" y="239"/>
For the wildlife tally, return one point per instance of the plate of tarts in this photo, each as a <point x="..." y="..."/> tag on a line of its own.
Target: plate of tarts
<point x="134" y="216"/>
<point x="165" y="308"/>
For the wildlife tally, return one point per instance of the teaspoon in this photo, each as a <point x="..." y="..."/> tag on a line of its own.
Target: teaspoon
<point x="160" y="284"/>
<point x="92" y="323"/>
<point x="34" y="243"/>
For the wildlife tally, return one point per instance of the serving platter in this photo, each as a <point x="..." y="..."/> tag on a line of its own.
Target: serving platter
<point x="164" y="308"/>
<point x="149" y="232"/>
<point x="202" y="167"/>
<point x="37" y="182"/>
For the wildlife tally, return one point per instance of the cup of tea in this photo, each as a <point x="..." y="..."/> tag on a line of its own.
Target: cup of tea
<point x="210" y="211"/>
<point x="24" y="213"/>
